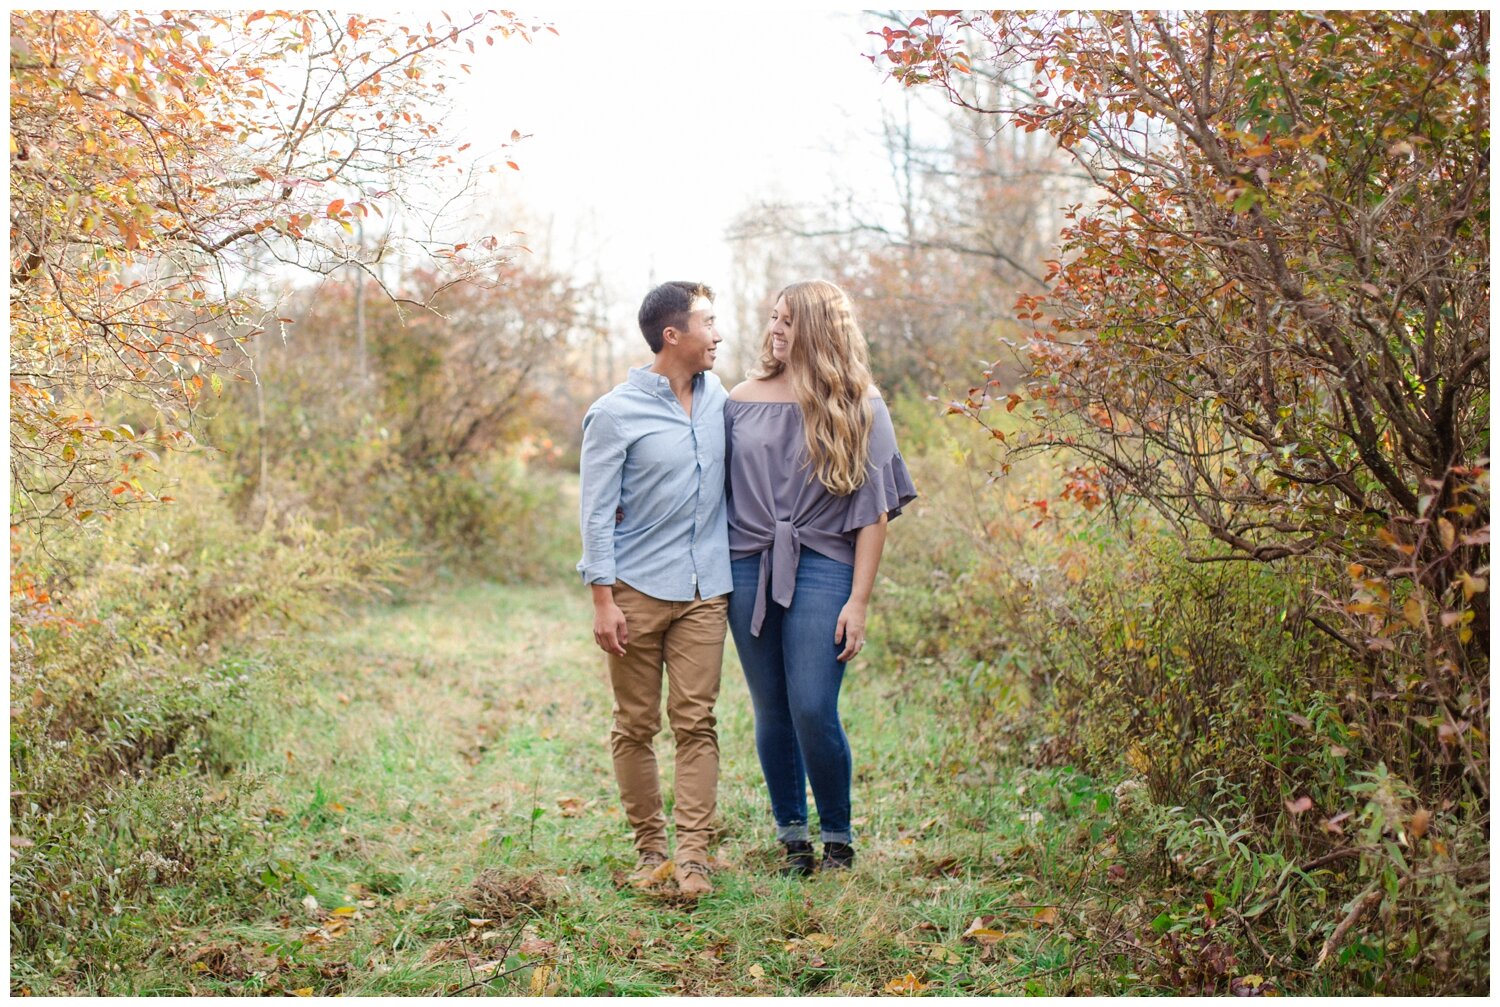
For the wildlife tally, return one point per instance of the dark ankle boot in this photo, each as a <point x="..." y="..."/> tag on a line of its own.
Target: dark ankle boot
<point x="837" y="856"/>
<point x="799" y="859"/>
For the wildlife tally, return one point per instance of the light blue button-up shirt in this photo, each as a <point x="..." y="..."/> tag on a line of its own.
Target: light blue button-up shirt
<point x="664" y="472"/>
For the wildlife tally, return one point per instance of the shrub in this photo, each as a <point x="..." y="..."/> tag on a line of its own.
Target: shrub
<point x="1254" y="751"/>
<point x="115" y="689"/>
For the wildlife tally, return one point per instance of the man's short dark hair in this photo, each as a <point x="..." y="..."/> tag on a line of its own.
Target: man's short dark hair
<point x="669" y="305"/>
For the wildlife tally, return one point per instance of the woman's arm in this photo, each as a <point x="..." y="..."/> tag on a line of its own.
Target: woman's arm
<point x="869" y="542"/>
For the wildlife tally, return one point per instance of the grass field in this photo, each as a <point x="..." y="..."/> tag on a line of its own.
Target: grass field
<point x="433" y="801"/>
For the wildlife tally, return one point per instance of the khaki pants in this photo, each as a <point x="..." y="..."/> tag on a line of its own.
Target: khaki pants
<point x="688" y="638"/>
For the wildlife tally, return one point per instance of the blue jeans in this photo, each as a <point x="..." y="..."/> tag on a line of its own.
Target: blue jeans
<point x="794" y="676"/>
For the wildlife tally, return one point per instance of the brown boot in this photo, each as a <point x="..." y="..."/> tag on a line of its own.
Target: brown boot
<point x="692" y="879"/>
<point x="652" y="870"/>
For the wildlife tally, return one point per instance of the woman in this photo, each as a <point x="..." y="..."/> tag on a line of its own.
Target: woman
<point x="814" y="476"/>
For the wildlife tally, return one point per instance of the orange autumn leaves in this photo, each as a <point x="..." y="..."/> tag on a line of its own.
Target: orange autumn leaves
<point x="158" y="163"/>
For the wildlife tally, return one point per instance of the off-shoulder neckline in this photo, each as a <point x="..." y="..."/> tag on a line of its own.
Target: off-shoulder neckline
<point x="774" y="402"/>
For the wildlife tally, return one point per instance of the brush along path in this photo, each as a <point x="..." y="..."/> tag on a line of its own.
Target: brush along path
<point x="442" y="817"/>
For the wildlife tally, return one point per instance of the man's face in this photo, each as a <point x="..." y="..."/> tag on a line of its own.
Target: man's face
<point x="699" y="343"/>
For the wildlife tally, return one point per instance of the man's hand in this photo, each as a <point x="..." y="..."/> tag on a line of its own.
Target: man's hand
<point x="610" y="631"/>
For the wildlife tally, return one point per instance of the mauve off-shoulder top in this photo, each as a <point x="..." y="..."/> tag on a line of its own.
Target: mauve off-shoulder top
<point x="777" y="505"/>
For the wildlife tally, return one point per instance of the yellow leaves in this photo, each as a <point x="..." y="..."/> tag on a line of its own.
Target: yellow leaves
<point x="1251" y="986"/>
<point x="1414" y="612"/>
<point x="756" y="972"/>
<point x="1045" y="916"/>
<point x="1472" y="585"/>
<point x="944" y="955"/>
<point x="539" y="977"/>
<point x="1419" y="822"/>
<point x="906" y="985"/>
<point x="1446" y="532"/>
<point x="982" y="933"/>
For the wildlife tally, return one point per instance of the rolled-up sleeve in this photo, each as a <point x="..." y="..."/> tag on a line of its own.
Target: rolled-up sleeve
<point x="601" y="466"/>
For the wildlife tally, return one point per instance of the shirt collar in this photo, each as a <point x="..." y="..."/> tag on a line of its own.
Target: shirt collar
<point x="652" y="383"/>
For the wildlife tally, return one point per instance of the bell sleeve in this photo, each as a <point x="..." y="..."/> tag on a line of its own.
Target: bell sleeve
<point x="888" y="486"/>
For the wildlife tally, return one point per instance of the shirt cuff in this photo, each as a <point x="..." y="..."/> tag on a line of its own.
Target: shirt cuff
<point x="596" y="574"/>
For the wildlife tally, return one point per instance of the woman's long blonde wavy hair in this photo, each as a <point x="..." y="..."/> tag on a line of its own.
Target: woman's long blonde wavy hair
<point x="830" y="374"/>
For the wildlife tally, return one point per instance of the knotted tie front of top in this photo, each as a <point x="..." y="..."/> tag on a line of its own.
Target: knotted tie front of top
<point x="777" y="506"/>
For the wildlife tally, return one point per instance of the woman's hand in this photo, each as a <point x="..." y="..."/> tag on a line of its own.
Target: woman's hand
<point x="851" y="629"/>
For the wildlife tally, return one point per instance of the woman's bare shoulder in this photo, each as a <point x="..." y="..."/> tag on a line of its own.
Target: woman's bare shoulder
<point x="760" y="390"/>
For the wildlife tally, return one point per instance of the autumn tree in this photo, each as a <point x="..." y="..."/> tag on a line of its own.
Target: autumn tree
<point x="936" y="260"/>
<point x="1272" y="325"/>
<point x="166" y="170"/>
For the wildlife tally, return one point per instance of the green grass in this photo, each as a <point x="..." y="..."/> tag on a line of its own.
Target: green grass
<point x="427" y="748"/>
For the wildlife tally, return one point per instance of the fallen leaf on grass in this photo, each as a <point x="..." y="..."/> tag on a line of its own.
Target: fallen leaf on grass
<point x="1045" y="916"/>
<point x="756" y="972"/>
<point x="448" y="949"/>
<point x="1300" y="805"/>
<point x="305" y="991"/>
<point x="981" y="931"/>
<point x="1251" y="986"/>
<point x="1335" y="824"/>
<point x="539" y="977"/>
<point x="569" y="807"/>
<point x="942" y="954"/>
<point x="908" y="983"/>
<point x="821" y="940"/>
<point x="536" y="947"/>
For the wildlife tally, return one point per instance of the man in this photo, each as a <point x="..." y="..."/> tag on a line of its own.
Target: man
<point x="656" y="556"/>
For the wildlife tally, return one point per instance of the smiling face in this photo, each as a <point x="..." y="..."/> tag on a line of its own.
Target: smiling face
<point x="781" y="330"/>
<point x="698" y="344"/>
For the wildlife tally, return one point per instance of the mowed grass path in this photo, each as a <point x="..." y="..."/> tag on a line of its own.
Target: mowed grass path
<point x="440" y="811"/>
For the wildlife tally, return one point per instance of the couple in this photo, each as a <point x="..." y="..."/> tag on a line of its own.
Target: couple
<point x="765" y="508"/>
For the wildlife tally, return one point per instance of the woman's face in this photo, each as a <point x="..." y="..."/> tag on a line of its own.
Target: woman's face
<point x="781" y="330"/>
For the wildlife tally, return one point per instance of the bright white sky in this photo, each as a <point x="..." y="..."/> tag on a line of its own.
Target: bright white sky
<point x="650" y="131"/>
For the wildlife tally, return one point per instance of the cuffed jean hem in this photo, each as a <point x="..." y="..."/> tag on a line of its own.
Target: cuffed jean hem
<point x="796" y="832"/>
<point x="836" y="837"/>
